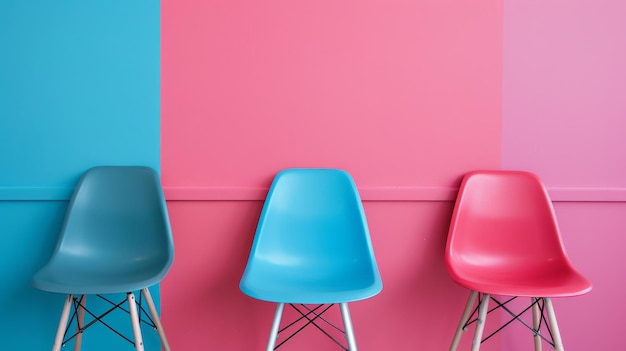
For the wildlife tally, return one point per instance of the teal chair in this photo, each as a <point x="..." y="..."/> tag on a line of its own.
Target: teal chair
<point x="312" y="250"/>
<point x="115" y="238"/>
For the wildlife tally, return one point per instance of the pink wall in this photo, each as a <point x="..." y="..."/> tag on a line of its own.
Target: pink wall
<point x="563" y="99"/>
<point x="564" y="115"/>
<point x="406" y="95"/>
<point x="390" y="90"/>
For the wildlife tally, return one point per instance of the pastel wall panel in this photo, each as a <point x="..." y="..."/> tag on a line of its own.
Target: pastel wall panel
<point x="403" y="94"/>
<point x="79" y="87"/>
<point x="563" y="98"/>
<point x="563" y="118"/>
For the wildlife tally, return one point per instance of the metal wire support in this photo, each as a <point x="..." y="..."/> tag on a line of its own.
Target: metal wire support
<point x="75" y="310"/>
<point x="543" y="326"/>
<point x="312" y="315"/>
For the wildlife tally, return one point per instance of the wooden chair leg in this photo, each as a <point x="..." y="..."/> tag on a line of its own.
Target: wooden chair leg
<point x="80" y="322"/>
<point x="134" y="318"/>
<point x="464" y="319"/>
<point x="65" y="315"/>
<point x="480" y="323"/>
<point x="536" y="322"/>
<point x="347" y="324"/>
<point x="554" y="327"/>
<point x="155" y="318"/>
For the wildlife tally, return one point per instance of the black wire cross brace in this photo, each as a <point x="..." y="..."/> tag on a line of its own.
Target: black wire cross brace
<point x="77" y="304"/>
<point x="515" y="317"/>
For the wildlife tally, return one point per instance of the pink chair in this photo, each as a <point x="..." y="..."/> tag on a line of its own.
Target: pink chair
<point x="504" y="243"/>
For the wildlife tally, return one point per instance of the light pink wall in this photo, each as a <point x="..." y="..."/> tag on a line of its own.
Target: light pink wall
<point x="403" y="94"/>
<point x="564" y="114"/>
<point x="564" y="111"/>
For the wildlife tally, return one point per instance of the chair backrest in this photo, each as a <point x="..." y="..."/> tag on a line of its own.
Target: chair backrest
<point x="313" y="223"/>
<point x="117" y="214"/>
<point x="503" y="219"/>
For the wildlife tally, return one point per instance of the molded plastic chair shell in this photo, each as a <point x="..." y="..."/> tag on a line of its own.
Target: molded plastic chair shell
<point x="504" y="238"/>
<point x="116" y="236"/>
<point x="312" y="243"/>
<point x="311" y="246"/>
<point x="504" y="241"/>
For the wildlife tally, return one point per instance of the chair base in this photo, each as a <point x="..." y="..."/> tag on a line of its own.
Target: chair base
<point x="78" y="305"/>
<point x="311" y="316"/>
<point x="543" y="317"/>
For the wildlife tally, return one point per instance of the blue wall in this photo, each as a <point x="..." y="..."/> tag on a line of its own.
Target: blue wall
<point x="79" y="87"/>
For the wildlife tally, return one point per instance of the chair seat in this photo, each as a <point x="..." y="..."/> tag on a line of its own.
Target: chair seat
<point x="528" y="283"/>
<point x="80" y="278"/>
<point x="310" y="291"/>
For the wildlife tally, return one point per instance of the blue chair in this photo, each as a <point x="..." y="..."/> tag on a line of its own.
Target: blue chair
<point x="312" y="247"/>
<point x="116" y="238"/>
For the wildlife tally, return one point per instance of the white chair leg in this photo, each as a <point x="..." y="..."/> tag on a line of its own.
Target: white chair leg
<point x="134" y="318"/>
<point x="464" y="318"/>
<point x="80" y="322"/>
<point x="347" y="324"/>
<point x="156" y="319"/>
<point x="480" y="323"/>
<point x="554" y="327"/>
<point x="536" y="322"/>
<point x="65" y="315"/>
<point x="275" y="325"/>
